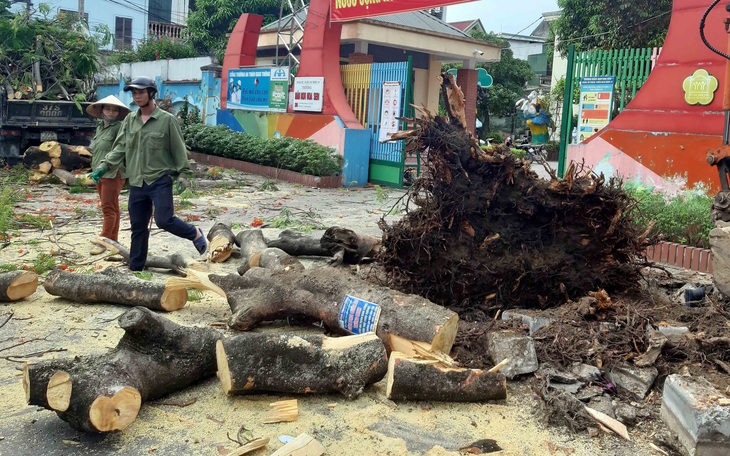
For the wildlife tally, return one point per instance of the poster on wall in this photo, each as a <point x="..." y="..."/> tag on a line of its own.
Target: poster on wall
<point x="596" y="100"/>
<point x="389" y="109"/>
<point x="308" y="94"/>
<point x="258" y="89"/>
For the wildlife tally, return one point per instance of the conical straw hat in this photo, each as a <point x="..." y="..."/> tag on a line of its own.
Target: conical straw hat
<point x="94" y="109"/>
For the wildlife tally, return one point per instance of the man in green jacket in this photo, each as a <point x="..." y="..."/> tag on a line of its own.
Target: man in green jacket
<point x="150" y="144"/>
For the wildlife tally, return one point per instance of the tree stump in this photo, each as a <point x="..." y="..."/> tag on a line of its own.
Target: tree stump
<point x="289" y="363"/>
<point x="104" y="393"/>
<point x="413" y="379"/>
<point x="16" y="285"/>
<point x="343" y="302"/>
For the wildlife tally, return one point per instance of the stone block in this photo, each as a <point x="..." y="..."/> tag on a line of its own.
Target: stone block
<point x="691" y="409"/>
<point x="518" y="348"/>
<point x="533" y="322"/>
<point x="637" y="380"/>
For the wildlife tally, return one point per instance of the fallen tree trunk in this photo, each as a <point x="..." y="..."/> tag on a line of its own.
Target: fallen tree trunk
<point x="289" y="363"/>
<point x="256" y="254"/>
<point x="342" y="244"/>
<point x="414" y="379"/>
<point x="221" y="242"/>
<point x="155" y="357"/>
<point x="298" y="244"/>
<point x="349" y="247"/>
<point x="113" y="286"/>
<point x="63" y="156"/>
<point x="343" y="302"/>
<point x="16" y="285"/>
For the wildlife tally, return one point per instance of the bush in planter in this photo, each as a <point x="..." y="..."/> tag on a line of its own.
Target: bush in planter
<point x="685" y="218"/>
<point x="302" y="156"/>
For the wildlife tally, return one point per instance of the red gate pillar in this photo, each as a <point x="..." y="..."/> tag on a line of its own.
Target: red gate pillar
<point x="241" y="49"/>
<point x="321" y="57"/>
<point x="467" y="80"/>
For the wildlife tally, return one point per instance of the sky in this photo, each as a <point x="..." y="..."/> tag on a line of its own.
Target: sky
<point x="511" y="16"/>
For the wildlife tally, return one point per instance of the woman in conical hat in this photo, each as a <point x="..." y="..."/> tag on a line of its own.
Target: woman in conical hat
<point x="110" y="111"/>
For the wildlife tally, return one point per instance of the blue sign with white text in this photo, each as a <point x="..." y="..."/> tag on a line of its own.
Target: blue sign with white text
<point x="358" y="316"/>
<point x="258" y="89"/>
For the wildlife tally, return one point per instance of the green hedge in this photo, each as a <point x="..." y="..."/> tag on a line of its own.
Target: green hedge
<point x="685" y="218"/>
<point x="302" y="156"/>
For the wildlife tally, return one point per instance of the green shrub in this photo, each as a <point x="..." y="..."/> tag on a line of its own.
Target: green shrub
<point x="149" y="49"/>
<point x="684" y="219"/>
<point x="303" y="156"/>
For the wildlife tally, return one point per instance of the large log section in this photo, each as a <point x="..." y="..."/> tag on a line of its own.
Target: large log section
<point x="104" y="393"/>
<point x="263" y="295"/>
<point x="255" y="253"/>
<point x="16" y="285"/>
<point x="113" y="286"/>
<point x="292" y="363"/>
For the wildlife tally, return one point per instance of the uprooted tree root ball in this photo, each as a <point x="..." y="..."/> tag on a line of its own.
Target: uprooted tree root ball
<point x="487" y="233"/>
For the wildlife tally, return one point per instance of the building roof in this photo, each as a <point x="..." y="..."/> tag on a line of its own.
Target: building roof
<point x="461" y="25"/>
<point x="413" y="19"/>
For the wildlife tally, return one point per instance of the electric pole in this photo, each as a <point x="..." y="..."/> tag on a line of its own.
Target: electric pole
<point x="81" y="10"/>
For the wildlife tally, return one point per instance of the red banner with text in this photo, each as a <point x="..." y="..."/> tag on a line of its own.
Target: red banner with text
<point x="346" y="10"/>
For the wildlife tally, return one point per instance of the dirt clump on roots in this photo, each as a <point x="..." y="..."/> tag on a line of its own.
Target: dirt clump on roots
<point x="484" y="232"/>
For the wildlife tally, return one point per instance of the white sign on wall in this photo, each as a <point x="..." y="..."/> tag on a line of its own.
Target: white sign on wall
<point x="308" y="94"/>
<point x="389" y="109"/>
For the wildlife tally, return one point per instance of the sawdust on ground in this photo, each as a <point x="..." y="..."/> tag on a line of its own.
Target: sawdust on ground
<point x="368" y="425"/>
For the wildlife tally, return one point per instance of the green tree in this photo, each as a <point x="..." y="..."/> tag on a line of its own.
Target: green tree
<point x="211" y="20"/>
<point x="611" y="24"/>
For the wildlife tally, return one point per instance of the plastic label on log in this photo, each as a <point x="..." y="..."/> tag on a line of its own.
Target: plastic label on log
<point x="358" y="316"/>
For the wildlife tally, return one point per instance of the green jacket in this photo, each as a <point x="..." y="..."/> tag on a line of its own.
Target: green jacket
<point x="102" y="144"/>
<point x="149" y="150"/>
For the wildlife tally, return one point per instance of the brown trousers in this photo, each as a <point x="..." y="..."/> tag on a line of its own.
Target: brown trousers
<point x="109" y="190"/>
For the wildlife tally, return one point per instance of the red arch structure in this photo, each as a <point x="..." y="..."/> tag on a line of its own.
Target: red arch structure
<point x="320" y="57"/>
<point x="659" y="134"/>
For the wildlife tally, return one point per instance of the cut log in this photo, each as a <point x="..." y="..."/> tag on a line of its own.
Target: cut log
<point x="175" y="262"/>
<point x="16" y="285"/>
<point x="412" y="379"/>
<point x="60" y="155"/>
<point x="298" y="244"/>
<point x="36" y="377"/>
<point x="349" y="247"/>
<point x="114" y="286"/>
<point x="290" y="363"/>
<point x="72" y="179"/>
<point x="155" y="357"/>
<point x="221" y="242"/>
<point x="256" y="254"/>
<point x="302" y="445"/>
<point x="336" y="297"/>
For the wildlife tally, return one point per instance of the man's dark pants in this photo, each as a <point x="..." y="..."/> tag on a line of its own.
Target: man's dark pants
<point x="141" y="201"/>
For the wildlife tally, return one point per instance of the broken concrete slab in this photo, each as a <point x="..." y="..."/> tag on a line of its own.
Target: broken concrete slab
<point x="520" y="350"/>
<point x="586" y="372"/>
<point x="691" y="409"/>
<point x="534" y="322"/>
<point x="637" y="380"/>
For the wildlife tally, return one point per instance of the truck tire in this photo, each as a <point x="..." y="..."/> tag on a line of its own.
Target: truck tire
<point x="10" y="152"/>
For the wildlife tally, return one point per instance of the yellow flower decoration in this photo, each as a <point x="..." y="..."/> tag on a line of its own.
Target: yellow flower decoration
<point x="699" y="88"/>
